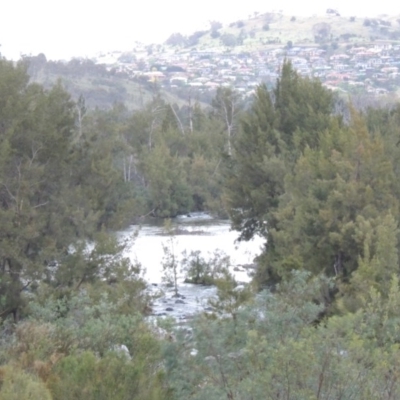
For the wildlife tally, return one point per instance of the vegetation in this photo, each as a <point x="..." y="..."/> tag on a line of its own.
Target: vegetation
<point x="313" y="176"/>
<point x="315" y="187"/>
<point x="99" y="86"/>
<point x="273" y="350"/>
<point x="169" y="262"/>
<point x="276" y="27"/>
<point x="202" y="271"/>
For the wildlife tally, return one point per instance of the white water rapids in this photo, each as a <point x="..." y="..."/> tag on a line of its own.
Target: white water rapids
<point x="197" y="232"/>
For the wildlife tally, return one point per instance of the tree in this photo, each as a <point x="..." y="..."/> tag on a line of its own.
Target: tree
<point x="176" y="39"/>
<point x="57" y="188"/>
<point x="335" y="191"/>
<point x="289" y="45"/>
<point x="35" y="144"/>
<point x="271" y="137"/>
<point x="215" y="26"/>
<point x="349" y="356"/>
<point x="168" y="192"/>
<point x="202" y="271"/>
<point x="229" y="40"/>
<point x="169" y="261"/>
<point x="377" y="265"/>
<point x="303" y="106"/>
<point x="226" y="107"/>
<point x="255" y="172"/>
<point x="194" y="38"/>
<point x="321" y="31"/>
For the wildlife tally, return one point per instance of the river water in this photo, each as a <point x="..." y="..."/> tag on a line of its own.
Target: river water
<point x="199" y="231"/>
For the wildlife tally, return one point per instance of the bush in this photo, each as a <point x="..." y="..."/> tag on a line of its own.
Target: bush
<point x="18" y="385"/>
<point x="215" y="25"/>
<point x="197" y="269"/>
<point x="176" y="39"/>
<point x="228" y="39"/>
<point x="193" y="39"/>
<point x="200" y="271"/>
<point x="87" y="377"/>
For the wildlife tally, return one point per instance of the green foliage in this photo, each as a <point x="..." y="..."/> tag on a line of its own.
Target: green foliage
<point x="88" y="346"/>
<point x="58" y="186"/>
<point x="85" y="376"/>
<point x="169" y="194"/>
<point x="311" y="185"/>
<point x="375" y="272"/>
<point x="303" y="109"/>
<point x="254" y="175"/>
<point x="169" y="261"/>
<point x="36" y="153"/>
<point x="227" y="363"/>
<point x="335" y="193"/>
<point x="230" y="295"/>
<point x="264" y="352"/>
<point x="199" y="270"/>
<point x="196" y="268"/>
<point x="16" y="385"/>
<point x="321" y="189"/>
<point x="271" y="137"/>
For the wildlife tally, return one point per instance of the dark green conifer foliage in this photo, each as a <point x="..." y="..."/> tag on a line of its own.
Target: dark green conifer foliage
<point x="303" y="107"/>
<point x="256" y="171"/>
<point x="57" y="186"/>
<point x="37" y="127"/>
<point x="333" y="189"/>
<point x="273" y="134"/>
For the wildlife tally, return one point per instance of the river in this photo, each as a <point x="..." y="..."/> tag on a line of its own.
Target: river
<point x="199" y="231"/>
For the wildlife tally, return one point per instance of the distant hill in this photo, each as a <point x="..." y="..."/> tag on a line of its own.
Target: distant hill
<point x="275" y="28"/>
<point x="134" y="77"/>
<point x="101" y="86"/>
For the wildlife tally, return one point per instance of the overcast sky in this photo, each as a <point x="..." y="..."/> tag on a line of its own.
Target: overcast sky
<point x="63" y="29"/>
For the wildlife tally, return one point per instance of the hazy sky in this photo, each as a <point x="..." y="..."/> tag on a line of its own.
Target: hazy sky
<point x="62" y="29"/>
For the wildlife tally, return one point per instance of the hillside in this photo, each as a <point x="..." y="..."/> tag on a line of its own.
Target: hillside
<point x="276" y="28"/>
<point x="349" y="54"/>
<point x="101" y="86"/>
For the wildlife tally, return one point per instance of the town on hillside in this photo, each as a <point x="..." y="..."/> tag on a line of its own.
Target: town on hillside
<point x="372" y="69"/>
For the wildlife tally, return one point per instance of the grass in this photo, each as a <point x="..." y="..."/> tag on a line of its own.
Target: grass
<point x="301" y="31"/>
